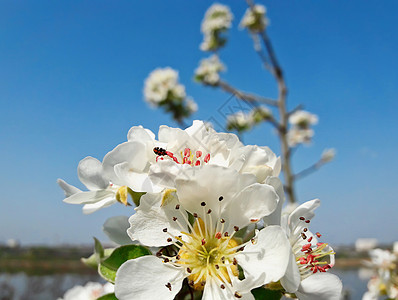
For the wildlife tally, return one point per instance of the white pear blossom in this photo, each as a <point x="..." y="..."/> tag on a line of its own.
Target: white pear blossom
<point x="101" y="191"/>
<point x="303" y="119"/>
<point x="240" y="121"/>
<point x="301" y="131"/>
<point x="221" y="201"/>
<point x="254" y="19"/>
<point x="385" y="280"/>
<point x="328" y="155"/>
<point x="145" y="164"/>
<point x="217" y="19"/>
<point x="163" y="84"/>
<point x="90" y="291"/>
<point x="306" y="274"/>
<point x="208" y="70"/>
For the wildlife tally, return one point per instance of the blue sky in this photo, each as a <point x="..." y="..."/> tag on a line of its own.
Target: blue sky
<point x="71" y="78"/>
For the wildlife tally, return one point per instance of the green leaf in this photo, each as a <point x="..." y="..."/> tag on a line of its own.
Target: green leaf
<point x="108" y="297"/>
<point x="108" y="267"/>
<point x="98" y="249"/>
<point x="106" y="273"/>
<point x="264" y="294"/>
<point x="124" y="253"/>
<point x="136" y="196"/>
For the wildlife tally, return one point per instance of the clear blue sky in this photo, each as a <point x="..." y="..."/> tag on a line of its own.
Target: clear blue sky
<point x="71" y="78"/>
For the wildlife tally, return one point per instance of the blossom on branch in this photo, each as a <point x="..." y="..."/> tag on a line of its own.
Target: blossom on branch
<point x="217" y="20"/>
<point x="254" y="19"/>
<point x="207" y="252"/>
<point x="301" y="131"/>
<point x="208" y="70"/>
<point x="162" y="89"/>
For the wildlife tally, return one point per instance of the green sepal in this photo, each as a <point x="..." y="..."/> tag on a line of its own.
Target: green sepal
<point x="108" y="267"/>
<point x="98" y="250"/>
<point x="264" y="294"/>
<point x="92" y="261"/>
<point x="108" y="297"/>
<point x="136" y="196"/>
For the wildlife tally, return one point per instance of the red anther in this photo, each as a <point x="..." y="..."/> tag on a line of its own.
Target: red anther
<point x="309" y="239"/>
<point x="254" y="220"/>
<point x="310" y="259"/>
<point x="197" y="163"/>
<point x="187" y="152"/>
<point x="319" y="244"/>
<point x="170" y="154"/>
<point x="175" y="159"/>
<point x="111" y="184"/>
<point x="207" y="158"/>
<point x="189" y="162"/>
<point x="303" y="261"/>
<point x="302" y="218"/>
<point x="203" y="242"/>
<point x="306" y="247"/>
<point x="318" y="234"/>
<point x="198" y="154"/>
<point x="307" y="221"/>
<point x="315" y="270"/>
<point x="218" y="235"/>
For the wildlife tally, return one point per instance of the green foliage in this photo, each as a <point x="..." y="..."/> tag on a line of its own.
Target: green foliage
<point x="108" y="267"/>
<point x="92" y="260"/>
<point x="108" y="297"/>
<point x="264" y="294"/>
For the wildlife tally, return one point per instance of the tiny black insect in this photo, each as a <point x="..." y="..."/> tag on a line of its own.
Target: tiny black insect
<point x="159" y="151"/>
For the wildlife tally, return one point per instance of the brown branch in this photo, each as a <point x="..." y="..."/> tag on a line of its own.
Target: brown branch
<point x="277" y="72"/>
<point x="245" y="96"/>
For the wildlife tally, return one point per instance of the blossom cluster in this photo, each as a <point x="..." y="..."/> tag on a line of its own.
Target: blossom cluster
<point x="162" y="89"/>
<point x="209" y="69"/>
<point x="208" y="215"/>
<point x="384" y="283"/>
<point x="243" y="121"/>
<point x="217" y="20"/>
<point x="254" y="19"/>
<point x="301" y="131"/>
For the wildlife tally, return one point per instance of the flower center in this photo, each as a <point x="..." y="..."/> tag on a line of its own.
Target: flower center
<point x="208" y="254"/>
<point x="192" y="158"/>
<point x="312" y="257"/>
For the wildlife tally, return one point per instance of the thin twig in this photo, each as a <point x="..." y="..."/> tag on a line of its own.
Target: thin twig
<point x="309" y="170"/>
<point x="276" y="71"/>
<point x="245" y="96"/>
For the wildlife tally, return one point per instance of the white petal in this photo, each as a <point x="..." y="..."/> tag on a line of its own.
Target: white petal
<point x="138" y="133"/>
<point x="91" y="174"/>
<point x="320" y="286"/>
<point x="147" y="224"/>
<point x="134" y="153"/>
<point x="145" y="278"/>
<point x="207" y="184"/>
<point x="69" y="190"/>
<point x="197" y="131"/>
<point x="137" y="181"/>
<point x="292" y="278"/>
<point x="90" y="197"/>
<point x="116" y="230"/>
<point x="252" y="203"/>
<point x="213" y="291"/>
<point x="305" y="210"/>
<point x="93" y="207"/>
<point x="275" y="217"/>
<point x="267" y="259"/>
<point x="164" y="173"/>
<point x="176" y="138"/>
